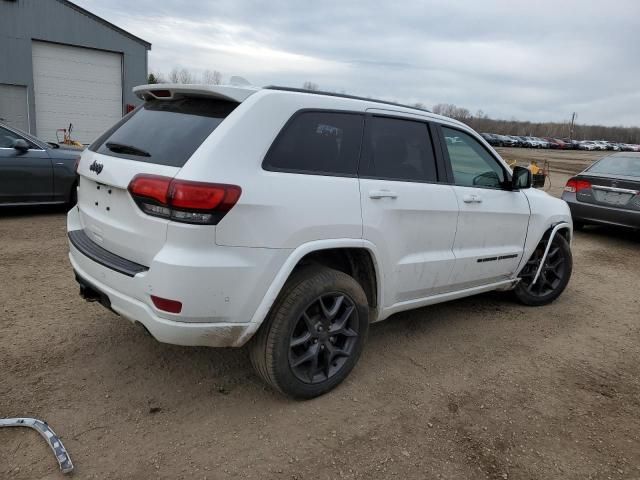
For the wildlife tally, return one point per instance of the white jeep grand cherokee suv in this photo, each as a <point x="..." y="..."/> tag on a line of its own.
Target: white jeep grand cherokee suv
<point x="219" y="215"/>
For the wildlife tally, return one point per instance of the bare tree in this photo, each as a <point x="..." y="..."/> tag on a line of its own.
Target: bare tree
<point x="420" y="105"/>
<point x="174" y="75"/>
<point x="186" y="76"/>
<point x="155" y="77"/>
<point x="212" y="77"/>
<point x="181" y="76"/>
<point x="310" y="86"/>
<point x="450" y="110"/>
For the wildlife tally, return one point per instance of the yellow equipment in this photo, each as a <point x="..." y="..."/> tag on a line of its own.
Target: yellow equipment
<point x="66" y="137"/>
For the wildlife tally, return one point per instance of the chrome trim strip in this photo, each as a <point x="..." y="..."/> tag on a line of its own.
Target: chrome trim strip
<point x="614" y="189"/>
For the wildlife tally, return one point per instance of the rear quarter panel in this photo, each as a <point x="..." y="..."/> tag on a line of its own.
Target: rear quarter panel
<point x="276" y="209"/>
<point x="64" y="174"/>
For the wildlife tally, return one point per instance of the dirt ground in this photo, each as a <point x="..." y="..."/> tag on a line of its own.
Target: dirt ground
<point x="477" y="388"/>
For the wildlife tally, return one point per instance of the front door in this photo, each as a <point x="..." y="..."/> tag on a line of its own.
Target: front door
<point x="407" y="213"/>
<point x="25" y="176"/>
<point x="493" y="219"/>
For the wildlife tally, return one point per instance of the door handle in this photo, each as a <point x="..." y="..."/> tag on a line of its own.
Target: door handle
<point x="376" y="194"/>
<point x="472" y="198"/>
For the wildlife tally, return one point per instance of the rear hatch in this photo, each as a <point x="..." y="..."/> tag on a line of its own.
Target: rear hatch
<point x="158" y="138"/>
<point x="614" y="181"/>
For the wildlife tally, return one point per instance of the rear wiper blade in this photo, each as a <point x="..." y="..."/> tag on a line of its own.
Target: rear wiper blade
<point x="127" y="149"/>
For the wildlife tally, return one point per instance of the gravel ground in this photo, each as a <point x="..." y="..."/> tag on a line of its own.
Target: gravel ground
<point x="477" y="388"/>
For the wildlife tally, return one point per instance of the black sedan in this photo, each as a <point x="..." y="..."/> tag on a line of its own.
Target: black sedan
<point x="492" y="139"/>
<point x="35" y="172"/>
<point x="607" y="193"/>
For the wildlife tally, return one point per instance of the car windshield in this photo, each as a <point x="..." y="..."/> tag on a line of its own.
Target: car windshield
<point x="614" y="165"/>
<point x="165" y="132"/>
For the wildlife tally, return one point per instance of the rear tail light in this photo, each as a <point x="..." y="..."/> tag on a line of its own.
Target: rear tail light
<point x="166" y="305"/>
<point x="183" y="201"/>
<point x="574" y="185"/>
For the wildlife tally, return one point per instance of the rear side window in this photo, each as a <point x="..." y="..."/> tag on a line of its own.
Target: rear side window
<point x="322" y="143"/>
<point x="399" y="150"/>
<point x="165" y="132"/>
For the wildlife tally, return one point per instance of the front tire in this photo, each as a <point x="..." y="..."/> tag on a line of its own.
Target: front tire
<point x="314" y="333"/>
<point x="554" y="276"/>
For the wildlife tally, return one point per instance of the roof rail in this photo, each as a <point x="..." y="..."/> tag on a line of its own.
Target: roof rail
<point x="342" y="95"/>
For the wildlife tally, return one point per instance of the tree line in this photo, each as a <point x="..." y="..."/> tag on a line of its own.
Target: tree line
<point x="184" y="75"/>
<point x="482" y="123"/>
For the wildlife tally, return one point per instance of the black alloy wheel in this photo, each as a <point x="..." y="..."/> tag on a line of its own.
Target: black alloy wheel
<point x="323" y="338"/>
<point x="554" y="274"/>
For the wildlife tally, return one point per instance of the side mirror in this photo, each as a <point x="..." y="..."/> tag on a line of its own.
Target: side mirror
<point x="521" y="178"/>
<point x="21" y="145"/>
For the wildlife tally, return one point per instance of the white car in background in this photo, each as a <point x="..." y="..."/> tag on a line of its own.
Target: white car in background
<point x="219" y="215"/>
<point x="588" y="145"/>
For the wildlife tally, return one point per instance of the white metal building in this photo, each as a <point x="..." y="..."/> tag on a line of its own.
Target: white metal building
<point x="61" y="65"/>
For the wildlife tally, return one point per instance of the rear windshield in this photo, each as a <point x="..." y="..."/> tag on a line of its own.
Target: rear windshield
<point x="614" y="165"/>
<point x="165" y="132"/>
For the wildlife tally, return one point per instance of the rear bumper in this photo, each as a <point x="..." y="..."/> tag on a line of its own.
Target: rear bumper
<point x="167" y="331"/>
<point x="597" y="214"/>
<point x="220" y="288"/>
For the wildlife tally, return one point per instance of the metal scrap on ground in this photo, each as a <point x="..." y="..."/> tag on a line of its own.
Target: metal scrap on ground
<point x="66" y="466"/>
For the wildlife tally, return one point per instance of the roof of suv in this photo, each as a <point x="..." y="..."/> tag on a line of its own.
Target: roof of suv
<point x="239" y="93"/>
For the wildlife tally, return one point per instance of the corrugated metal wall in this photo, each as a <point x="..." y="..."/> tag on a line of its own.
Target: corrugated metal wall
<point x="22" y="21"/>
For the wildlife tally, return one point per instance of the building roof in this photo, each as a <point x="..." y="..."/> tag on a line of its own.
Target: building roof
<point x="106" y="23"/>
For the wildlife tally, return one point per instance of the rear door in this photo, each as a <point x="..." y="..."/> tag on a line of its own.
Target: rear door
<point x="407" y="213"/>
<point x="158" y="138"/>
<point x="493" y="220"/>
<point x="25" y="176"/>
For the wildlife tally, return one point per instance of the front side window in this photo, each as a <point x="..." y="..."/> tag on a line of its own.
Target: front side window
<point x="316" y="142"/>
<point x="399" y="150"/>
<point x="472" y="165"/>
<point x="7" y="137"/>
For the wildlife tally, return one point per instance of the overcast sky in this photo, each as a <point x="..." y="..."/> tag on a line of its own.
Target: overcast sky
<point x="529" y="60"/>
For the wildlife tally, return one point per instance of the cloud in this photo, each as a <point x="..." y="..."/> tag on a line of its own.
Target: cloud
<point x="533" y="61"/>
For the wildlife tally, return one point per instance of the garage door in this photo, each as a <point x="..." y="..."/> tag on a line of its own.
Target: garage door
<point x="76" y="85"/>
<point x="13" y="106"/>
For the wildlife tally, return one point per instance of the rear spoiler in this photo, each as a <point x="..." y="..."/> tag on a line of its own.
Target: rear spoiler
<point x="169" y="91"/>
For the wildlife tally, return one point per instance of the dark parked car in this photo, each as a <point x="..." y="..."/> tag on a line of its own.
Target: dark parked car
<point x="507" y="141"/>
<point x="608" y="192"/>
<point x="517" y="141"/>
<point x="35" y="172"/>
<point x="492" y="139"/>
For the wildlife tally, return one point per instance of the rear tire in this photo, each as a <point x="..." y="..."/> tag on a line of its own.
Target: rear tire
<point x="554" y="276"/>
<point x="314" y="333"/>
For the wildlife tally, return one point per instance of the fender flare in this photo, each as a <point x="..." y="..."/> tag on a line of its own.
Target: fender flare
<point x="289" y="265"/>
<point x="554" y="231"/>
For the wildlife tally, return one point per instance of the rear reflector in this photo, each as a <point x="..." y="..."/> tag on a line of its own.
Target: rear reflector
<point x="183" y="201"/>
<point x="574" y="185"/>
<point x="166" y="305"/>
